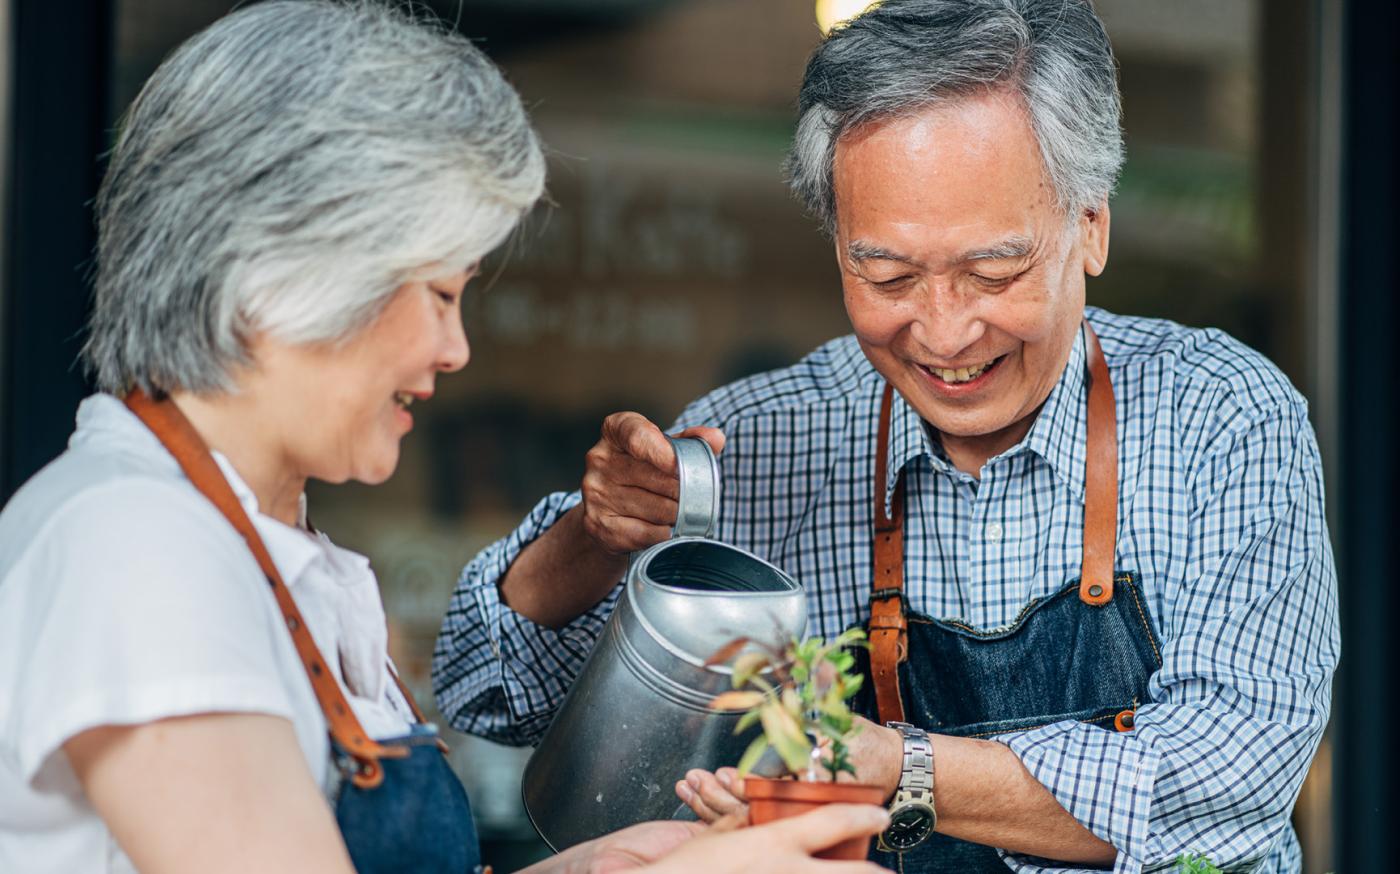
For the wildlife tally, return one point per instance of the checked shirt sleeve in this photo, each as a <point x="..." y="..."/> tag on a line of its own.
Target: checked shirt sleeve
<point x="495" y="673"/>
<point x="1250" y="641"/>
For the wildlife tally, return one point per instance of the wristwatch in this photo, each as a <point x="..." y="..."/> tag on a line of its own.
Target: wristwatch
<point x="912" y="816"/>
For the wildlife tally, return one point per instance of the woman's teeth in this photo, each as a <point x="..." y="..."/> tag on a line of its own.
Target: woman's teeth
<point x="962" y="374"/>
<point x="403" y="399"/>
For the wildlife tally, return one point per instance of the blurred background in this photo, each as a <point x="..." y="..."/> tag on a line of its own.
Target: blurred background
<point x="1257" y="197"/>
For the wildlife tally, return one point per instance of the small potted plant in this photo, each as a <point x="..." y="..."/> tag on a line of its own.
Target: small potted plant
<point x="798" y="693"/>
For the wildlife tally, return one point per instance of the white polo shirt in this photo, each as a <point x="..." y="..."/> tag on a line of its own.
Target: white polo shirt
<point x="125" y="597"/>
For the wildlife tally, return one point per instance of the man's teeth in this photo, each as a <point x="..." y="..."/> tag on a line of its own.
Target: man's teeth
<point x="403" y="398"/>
<point x="962" y="374"/>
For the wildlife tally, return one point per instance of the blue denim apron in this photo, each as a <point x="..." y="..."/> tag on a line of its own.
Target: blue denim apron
<point x="417" y="819"/>
<point x="398" y="805"/>
<point x="1084" y="653"/>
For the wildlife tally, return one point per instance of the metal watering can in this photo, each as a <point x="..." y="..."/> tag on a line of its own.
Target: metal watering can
<point x="637" y="718"/>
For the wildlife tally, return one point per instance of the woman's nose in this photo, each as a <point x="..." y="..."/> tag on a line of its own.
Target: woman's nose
<point x="456" y="351"/>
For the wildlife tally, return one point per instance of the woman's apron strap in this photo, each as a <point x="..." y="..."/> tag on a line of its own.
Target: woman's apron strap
<point x="888" y="613"/>
<point x="175" y="432"/>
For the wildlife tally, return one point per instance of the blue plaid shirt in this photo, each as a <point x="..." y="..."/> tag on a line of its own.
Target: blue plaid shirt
<point x="1220" y="512"/>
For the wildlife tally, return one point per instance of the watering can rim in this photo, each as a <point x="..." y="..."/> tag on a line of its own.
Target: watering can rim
<point x="637" y="576"/>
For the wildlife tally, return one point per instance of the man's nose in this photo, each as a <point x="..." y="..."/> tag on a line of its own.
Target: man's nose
<point x="947" y="324"/>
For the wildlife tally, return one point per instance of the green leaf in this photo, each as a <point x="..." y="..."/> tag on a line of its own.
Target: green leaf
<point x="853" y="684"/>
<point x="786" y="736"/>
<point x="851" y="636"/>
<point x="792" y="703"/>
<point x="747" y="721"/>
<point x="752" y="755"/>
<point x="1192" y="863"/>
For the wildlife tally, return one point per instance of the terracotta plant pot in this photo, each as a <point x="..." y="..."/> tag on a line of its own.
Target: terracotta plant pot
<point x="771" y="800"/>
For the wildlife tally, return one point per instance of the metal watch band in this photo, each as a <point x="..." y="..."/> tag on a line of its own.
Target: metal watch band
<point x="916" y="771"/>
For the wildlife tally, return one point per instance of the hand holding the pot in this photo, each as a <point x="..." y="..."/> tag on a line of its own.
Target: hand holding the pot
<point x="785" y="846"/>
<point x="630" y="482"/>
<point x="876" y="752"/>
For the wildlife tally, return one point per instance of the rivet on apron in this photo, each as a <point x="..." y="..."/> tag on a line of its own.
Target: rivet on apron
<point x="1123" y="721"/>
<point x="1095" y="590"/>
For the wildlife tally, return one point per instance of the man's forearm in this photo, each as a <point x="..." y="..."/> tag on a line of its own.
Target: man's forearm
<point x="983" y="793"/>
<point x="560" y="575"/>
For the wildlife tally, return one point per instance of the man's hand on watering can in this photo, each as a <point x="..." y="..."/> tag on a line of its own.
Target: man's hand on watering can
<point x="630" y="484"/>
<point x="630" y="491"/>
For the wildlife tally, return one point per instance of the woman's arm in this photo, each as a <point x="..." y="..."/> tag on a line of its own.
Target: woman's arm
<point x="214" y="793"/>
<point x="671" y="847"/>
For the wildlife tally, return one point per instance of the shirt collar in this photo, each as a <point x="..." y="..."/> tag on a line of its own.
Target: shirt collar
<point x="1057" y="435"/>
<point x="909" y="440"/>
<point x="1059" y="432"/>
<point x="293" y="548"/>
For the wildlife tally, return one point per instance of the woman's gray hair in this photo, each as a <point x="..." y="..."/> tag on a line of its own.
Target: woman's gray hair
<point x="285" y="171"/>
<point x="906" y="55"/>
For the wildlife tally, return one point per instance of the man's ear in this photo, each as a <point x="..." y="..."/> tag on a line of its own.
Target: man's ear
<point x="1094" y="227"/>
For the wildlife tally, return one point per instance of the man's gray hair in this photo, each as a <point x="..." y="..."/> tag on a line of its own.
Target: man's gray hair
<point x="285" y="171"/>
<point x="906" y="55"/>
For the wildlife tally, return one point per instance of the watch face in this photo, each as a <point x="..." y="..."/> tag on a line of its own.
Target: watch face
<point x="908" y="827"/>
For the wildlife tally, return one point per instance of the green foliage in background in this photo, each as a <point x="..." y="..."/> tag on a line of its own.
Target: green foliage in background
<point x="1192" y="863"/>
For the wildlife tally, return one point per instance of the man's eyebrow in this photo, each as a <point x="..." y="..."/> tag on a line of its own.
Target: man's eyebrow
<point x="1012" y="247"/>
<point x="858" y="250"/>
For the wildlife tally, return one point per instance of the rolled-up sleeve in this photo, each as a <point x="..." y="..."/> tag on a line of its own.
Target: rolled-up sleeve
<point x="1250" y="642"/>
<point x="496" y="673"/>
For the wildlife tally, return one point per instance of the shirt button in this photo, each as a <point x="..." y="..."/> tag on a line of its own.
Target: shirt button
<point x="993" y="532"/>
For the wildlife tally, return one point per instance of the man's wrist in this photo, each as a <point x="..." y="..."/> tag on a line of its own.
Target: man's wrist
<point x="891" y="762"/>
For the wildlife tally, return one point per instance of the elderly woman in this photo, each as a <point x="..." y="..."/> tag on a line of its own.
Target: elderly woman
<point x="189" y="672"/>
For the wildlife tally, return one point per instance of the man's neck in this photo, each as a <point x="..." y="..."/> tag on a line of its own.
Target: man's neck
<point x="970" y="454"/>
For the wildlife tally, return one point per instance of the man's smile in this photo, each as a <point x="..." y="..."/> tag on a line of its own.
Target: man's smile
<point x="960" y="379"/>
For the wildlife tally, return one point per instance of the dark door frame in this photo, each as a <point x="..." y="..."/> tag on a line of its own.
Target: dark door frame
<point x="61" y="61"/>
<point x="1368" y="546"/>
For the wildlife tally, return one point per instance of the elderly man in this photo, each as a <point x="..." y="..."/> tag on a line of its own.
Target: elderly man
<point x="1089" y="548"/>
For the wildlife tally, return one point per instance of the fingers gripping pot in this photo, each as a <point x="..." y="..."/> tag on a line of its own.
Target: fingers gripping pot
<point x="637" y="717"/>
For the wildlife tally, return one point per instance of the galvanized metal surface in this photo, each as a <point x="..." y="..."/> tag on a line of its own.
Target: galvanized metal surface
<point x="637" y="717"/>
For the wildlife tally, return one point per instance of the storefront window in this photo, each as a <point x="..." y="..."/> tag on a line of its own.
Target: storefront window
<point x="670" y="259"/>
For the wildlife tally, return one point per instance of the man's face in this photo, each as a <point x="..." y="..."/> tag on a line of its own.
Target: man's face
<point x="963" y="282"/>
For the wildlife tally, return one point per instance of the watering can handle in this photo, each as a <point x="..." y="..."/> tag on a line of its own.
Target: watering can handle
<point x="699" y="489"/>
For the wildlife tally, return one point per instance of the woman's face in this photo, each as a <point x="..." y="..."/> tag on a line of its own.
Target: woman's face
<point x="342" y="408"/>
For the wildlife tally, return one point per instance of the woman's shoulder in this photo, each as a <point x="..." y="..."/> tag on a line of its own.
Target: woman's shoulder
<point x="128" y="598"/>
<point x="94" y="498"/>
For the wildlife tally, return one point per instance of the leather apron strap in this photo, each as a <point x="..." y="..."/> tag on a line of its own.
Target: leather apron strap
<point x="175" y="432"/>
<point x="888" y="612"/>
<point x="889" y="639"/>
<point x="1100" y="481"/>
